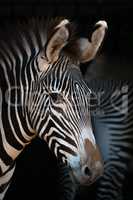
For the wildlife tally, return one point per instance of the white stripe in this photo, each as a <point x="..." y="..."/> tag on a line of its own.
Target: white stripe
<point x="4" y="179"/>
<point x="12" y="152"/>
<point x="3" y="166"/>
<point x="62" y="142"/>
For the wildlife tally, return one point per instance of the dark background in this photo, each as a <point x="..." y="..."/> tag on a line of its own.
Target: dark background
<point x="35" y="175"/>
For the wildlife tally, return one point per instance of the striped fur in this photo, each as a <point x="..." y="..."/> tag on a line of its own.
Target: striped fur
<point x="50" y="104"/>
<point x="113" y="125"/>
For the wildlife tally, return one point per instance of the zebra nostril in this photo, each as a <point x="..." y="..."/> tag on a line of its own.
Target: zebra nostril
<point x="87" y="171"/>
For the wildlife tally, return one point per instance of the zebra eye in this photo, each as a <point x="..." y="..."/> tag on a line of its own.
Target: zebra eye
<point x="56" y="97"/>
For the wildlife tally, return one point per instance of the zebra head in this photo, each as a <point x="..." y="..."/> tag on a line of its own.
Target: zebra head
<point x="59" y="106"/>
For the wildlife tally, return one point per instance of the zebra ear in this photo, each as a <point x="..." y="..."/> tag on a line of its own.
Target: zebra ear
<point x="88" y="49"/>
<point x="57" y="41"/>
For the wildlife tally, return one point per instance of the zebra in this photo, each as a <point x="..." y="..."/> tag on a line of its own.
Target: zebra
<point x="44" y="95"/>
<point x="112" y="121"/>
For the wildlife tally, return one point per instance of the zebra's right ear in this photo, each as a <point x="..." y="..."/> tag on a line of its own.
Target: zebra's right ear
<point x="57" y="41"/>
<point x="54" y="45"/>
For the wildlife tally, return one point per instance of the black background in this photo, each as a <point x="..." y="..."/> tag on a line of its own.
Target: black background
<point x="35" y="175"/>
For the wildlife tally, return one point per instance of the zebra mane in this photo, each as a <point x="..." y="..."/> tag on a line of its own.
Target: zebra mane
<point x="41" y="28"/>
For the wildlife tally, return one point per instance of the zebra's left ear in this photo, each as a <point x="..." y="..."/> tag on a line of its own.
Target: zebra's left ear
<point x="88" y="49"/>
<point x="57" y="41"/>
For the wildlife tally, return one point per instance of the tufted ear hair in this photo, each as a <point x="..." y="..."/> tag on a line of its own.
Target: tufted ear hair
<point x="57" y="41"/>
<point x="88" y="49"/>
<point x="57" y="38"/>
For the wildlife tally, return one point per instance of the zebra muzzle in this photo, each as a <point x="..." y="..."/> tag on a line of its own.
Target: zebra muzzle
<point x="89" y="165"/>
